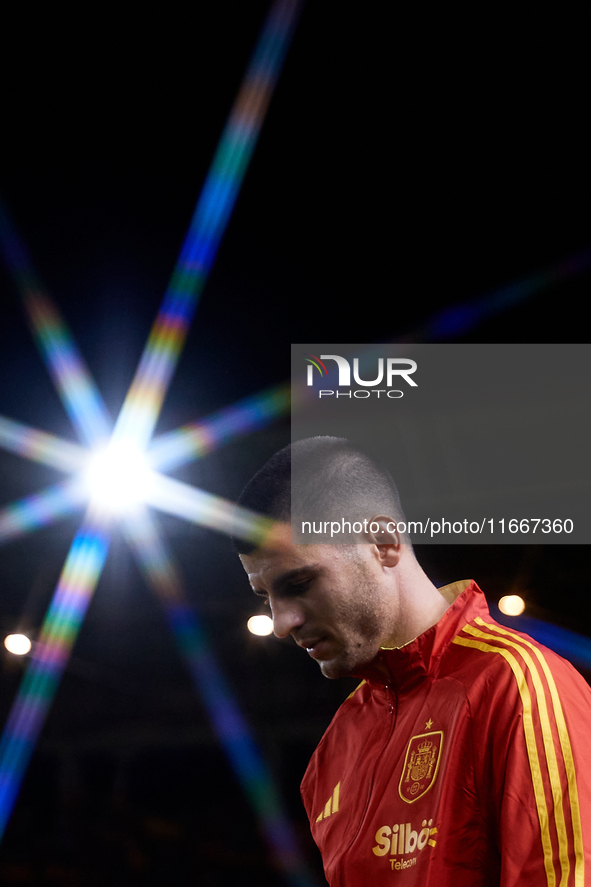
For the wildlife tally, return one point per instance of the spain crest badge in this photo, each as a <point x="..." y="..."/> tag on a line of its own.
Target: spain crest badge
<point x="420" y="765"/>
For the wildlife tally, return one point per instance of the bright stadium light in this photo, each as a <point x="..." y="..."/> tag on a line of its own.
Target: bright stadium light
<point x="261" y="625"/>
<point x="512" y="605"/>
<point x="19" y="644"/>
<point x="118" y="477"/>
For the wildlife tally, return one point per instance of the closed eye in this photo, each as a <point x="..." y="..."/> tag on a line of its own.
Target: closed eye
<point x="287" y="589"/>
<point x="295" y="588"/>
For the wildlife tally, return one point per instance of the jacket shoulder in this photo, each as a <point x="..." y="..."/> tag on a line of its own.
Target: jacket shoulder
<point x="485" y="655"/>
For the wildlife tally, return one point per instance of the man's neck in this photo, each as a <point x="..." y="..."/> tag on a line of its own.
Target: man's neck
<point x="420" y="604"/>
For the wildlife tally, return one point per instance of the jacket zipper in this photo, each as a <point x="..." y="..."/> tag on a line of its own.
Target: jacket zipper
<point x="392" y="711"/>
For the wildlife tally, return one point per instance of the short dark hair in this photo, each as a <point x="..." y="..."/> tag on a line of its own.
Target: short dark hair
<point x="320" y="479"/>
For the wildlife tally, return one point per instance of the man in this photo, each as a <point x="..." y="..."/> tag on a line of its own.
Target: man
<point x="464" y="756"/>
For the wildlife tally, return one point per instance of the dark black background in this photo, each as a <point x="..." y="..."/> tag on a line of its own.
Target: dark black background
<point x="412" y="159"/>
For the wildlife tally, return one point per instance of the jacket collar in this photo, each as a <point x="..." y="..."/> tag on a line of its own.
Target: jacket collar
<point x="406" y="666"/>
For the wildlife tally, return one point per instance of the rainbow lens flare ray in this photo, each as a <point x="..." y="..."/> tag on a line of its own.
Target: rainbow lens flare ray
<point x="197" y="439"/>
<point x="41" y="509"/>
<point x="66" y="366"/>
<point x="455" y="320"/>
<point x="198" y="507"/>
<point x="40" y="446"/>
<point x="76" y="585"/>
<point x="142" y="405"/>
<point x="231" y="727"/>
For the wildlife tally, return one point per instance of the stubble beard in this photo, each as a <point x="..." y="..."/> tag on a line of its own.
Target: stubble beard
<point x="349" y="663"/>
<point x="368" y="629"/>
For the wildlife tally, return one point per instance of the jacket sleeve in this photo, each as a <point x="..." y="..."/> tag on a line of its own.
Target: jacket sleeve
<point x="534" y="742"/>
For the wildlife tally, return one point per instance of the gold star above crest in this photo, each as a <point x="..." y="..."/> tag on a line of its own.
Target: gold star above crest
<point x="429" y="724"/>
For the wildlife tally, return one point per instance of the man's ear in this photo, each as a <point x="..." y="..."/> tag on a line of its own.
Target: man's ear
<point x="383" y="532"/>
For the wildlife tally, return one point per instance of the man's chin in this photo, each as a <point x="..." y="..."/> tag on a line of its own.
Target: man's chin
<point x="331" y="669"/>
<point x="336" y="668"/>
<point x="345" y="666"/>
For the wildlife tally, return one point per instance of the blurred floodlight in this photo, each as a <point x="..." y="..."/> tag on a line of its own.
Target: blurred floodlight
<point x="512" y="605"/>
<point x="118" y="477"/>
<point x="19" y="644"/>
<point x="261" y="625"/>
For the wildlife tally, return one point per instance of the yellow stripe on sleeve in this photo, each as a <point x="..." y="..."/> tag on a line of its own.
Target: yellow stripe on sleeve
<point x="566" y="752"/>
<point x="532" y="751"/>
<point x="548" y="741"/>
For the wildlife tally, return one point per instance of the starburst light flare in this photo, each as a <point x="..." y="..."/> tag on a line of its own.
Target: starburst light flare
<point x="70" y="601"/>
<point x="226" y="718"/>
<point x="142" y="405"/>
<point x="129" y="481"/>
<point x="141" y="408"/>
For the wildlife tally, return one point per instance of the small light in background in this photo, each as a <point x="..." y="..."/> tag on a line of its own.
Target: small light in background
<point x="261" y="625"/>
<point x="512" y="605"/>
<point x="19" y="644"/>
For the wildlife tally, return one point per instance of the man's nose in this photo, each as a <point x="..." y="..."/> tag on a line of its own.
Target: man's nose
<point x="287" y="616"/>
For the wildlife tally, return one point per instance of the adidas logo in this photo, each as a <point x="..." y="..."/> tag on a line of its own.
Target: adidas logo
<point x="332" y="805"/>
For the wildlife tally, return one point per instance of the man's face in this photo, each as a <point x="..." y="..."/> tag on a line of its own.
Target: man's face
<point x="332" y="599"/>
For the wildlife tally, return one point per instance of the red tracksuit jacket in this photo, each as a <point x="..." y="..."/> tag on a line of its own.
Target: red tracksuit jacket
<point x="470" y="767"/>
